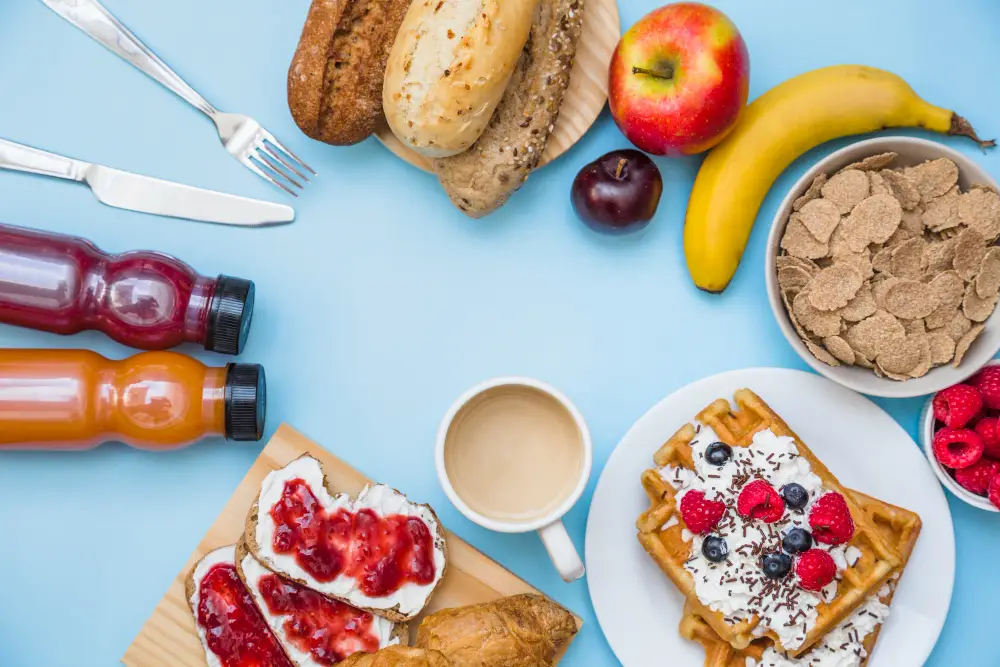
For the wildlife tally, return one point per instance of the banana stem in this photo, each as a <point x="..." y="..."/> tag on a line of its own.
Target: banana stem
<point x="960" y="127"/>
<point x="664" y="72"/>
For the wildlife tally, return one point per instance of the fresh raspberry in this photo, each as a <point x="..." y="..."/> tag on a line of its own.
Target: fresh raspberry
<point x="759" y="500"/>
<point x="815" y="569"/>
<point x="830" y="519"/>
<point x="988" y="431"/>
<point x="977" y="477"/>
<point x="987" y="381"/>
<point x="956" y="406"/>
<point x="994" y="491"/>
<point x="957" y="447"/>
<point x="700" y="514"/>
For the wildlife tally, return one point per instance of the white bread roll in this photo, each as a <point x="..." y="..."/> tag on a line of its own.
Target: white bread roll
<point x="448" y="70"/>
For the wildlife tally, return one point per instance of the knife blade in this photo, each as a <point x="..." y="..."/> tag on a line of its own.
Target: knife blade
<point x="145" y="194"/>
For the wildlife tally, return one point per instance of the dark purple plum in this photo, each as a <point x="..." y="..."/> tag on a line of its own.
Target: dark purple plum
<point x="618" y="192"/>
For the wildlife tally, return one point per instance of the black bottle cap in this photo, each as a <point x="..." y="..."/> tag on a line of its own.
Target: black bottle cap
<point x="229" y="315"/>
<point x="246" y="401"/>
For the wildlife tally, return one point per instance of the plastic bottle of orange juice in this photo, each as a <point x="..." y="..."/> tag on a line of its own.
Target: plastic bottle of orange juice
<point x="77" y="399"/>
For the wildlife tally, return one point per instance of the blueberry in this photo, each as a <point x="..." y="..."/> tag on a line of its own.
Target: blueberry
<point x="795" y="496"/>
<point x="718" y="453"/>
<point x="715" y="549"/>
<point x="796" y="541"/>
<point x="776" y="566"/>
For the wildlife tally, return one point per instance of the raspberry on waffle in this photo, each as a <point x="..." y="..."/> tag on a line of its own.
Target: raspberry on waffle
<point x="857" y="634"/>
<point x="745" y="596"/>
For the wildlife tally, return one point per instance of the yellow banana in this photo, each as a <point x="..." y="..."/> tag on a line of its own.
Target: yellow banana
<point x="775" y="129"/>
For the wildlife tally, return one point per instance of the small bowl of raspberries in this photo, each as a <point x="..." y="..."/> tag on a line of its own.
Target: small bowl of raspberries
<point x="960" y="429"/>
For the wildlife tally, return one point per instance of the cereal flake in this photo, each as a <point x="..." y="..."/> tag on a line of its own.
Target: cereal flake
<point x="846" y="189"/>
<point x="813" y="192"/>
<point x="834" y="287"/>
<point x="820" y="217"/>
<point x="933" y="178"/>
<point x="798" y="242"/>
<point x="965" y="342"/>
<point x="909" y="299"/>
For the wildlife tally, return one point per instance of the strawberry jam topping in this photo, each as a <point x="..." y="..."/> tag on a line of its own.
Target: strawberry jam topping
<point x="235" y="631"/>
<point x="380" y="553"/>
<point x="325" y="628"/>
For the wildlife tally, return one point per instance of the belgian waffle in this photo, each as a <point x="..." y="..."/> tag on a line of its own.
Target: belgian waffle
<point x="664" y="535"/>
<point x="897" y="526"/>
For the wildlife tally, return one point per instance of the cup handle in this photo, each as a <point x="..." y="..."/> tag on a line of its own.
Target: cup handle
<point x="561" y="551"/>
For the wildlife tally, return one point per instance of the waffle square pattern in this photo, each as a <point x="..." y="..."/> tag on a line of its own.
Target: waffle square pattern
<point x="732" y="596"/>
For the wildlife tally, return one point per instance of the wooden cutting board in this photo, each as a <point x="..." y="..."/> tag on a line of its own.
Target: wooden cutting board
<point x="169" y="637"/>
<point x="585" y="97"/>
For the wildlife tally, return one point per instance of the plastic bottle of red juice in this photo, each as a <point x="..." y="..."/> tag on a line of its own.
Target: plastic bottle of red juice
<point x="146" y="300"/>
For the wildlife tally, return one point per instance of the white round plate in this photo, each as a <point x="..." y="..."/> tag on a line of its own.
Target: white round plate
<point x="639" y="608"/>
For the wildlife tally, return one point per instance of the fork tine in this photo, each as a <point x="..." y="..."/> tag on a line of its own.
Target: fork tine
<point x="269" y="138"/>
<point x="267" y="161"/>
<point x="267" y="147"/>
<point x="251" y="163"/>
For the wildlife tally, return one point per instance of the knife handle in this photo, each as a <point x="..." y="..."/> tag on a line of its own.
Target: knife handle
<point x="92" y="18"/>
<point x="25" y="158"/>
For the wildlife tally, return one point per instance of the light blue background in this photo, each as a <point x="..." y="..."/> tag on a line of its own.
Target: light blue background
<point x="382" y="302"/>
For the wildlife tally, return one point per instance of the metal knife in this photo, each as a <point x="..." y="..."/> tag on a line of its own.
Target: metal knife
<point x="145" y="194"/>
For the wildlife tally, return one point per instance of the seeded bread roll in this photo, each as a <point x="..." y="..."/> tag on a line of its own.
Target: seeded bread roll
<point x="335" y="80"/>
<point x="481" y="180"/>
<point x="449" y="68"/>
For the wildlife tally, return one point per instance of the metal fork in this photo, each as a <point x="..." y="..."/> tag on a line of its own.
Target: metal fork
<point x="242" y="136"/>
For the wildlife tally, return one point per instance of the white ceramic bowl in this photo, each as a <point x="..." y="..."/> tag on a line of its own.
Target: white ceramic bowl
<point x="911" y="151"/>
<point x="927" y="440"/>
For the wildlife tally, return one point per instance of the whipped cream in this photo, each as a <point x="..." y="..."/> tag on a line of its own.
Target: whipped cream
<point x="737" y="586"/>
<point x="841" y="647"/>
<point x="410" y="598"/>
<point x="254" y="571"/>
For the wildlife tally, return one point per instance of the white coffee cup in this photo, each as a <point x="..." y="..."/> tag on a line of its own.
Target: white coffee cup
<point x="514" y="455"/>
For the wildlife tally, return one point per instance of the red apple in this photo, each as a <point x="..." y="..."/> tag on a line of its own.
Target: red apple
<point x="679" y="79"/>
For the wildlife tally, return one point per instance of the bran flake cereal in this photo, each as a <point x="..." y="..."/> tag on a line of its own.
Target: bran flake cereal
<point x="873" y="335"/>
<point x="979" y="208"/>
<point x="812" y="319"/>
<point x="965" y="342"/>
<point x="860" y="307"/>
<point x="798" y="242"/>
<point x="873" y="220"/>
<point x="902" y="188"/>
<point x="970" y="249"/>
<point x="942" y="347"/>
<point x="909" y="299"/>
<point x="820" y="217"/>
<point x="891" y="269"/>
<point x="933" y="178"/>
<point x="846" y="189"/>
<point x="975" y="307"/>
<point x="873" y="163"/>
<point x="988" y="280"/>
<point x="834" y="287"/>
<point x="907" y="259"/>
<point x="813" y="192"/>
<point x="840" y="349"/>
<point x="941" y="213"/>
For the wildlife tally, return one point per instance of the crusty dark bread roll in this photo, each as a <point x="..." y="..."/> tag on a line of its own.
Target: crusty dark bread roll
<point x="335" y="80"/>
<point x="481" y="179"/>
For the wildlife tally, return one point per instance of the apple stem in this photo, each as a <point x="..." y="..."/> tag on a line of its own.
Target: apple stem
<point x="621" y="167"/>
<point x="665" y="72"/>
